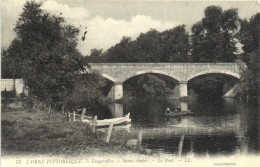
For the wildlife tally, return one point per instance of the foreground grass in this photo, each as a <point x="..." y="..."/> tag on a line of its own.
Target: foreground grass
<point x="25" y="133"/>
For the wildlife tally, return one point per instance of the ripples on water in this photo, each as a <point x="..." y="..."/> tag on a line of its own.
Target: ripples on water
<point x="225" y="126"/>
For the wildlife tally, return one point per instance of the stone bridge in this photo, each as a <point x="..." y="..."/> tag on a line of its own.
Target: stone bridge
<point x="182" y="72"/>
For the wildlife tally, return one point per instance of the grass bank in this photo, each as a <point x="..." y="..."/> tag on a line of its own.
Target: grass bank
<point x="37" y="132"/>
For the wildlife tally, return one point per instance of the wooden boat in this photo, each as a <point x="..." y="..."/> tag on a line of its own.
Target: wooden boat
<point x="174" y="114"/>
<point x="107" y="122"/>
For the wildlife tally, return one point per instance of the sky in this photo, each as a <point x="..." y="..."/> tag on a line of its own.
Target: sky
<point x="107" y="21"/>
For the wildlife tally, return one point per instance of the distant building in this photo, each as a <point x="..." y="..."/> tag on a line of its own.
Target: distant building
<point x="14" y="84"/>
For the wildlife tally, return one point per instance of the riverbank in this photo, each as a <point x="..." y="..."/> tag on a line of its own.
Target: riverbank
<point x="37" y="132"/>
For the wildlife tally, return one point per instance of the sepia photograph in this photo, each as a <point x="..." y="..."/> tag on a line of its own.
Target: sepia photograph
<point x="130" y="83"/>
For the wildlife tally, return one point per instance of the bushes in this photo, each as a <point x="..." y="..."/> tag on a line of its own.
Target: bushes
<point x="8" y="94"/>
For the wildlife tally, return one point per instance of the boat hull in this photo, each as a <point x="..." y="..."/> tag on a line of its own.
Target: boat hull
<point x="175" y="114"/>
<point x="107" y="122"/>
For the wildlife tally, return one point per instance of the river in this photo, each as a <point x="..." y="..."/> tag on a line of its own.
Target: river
<point x="221" y="127"/>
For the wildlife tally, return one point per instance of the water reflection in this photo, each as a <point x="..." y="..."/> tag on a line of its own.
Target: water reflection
<point x="116" y="110"/>
<point x="224" y="126"/>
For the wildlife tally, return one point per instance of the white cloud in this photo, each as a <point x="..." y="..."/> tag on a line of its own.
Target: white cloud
<point x="71" y="13"/>
<point x="10" y="12"/>
<point x="102" y="32"/>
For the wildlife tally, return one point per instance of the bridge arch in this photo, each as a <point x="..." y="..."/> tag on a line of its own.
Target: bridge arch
<point x="230" y="73"/>
<point x="151" y="72"/>
<point x="118" y="73"/>
<point x="108" y="77"/>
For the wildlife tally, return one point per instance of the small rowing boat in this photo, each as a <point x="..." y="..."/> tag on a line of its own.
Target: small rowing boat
<point x="107" y="122"/>
<point x="183" y="112"/>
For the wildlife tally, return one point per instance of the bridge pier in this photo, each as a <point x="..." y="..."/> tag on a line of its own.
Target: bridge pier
<point x="233" y="91"/>
<point x="184" y="106"/>
<point x="183" y="89"/>
<point x="116" y="91"/>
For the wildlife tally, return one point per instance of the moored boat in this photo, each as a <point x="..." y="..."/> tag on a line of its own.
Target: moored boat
<point x="107" y="122"/>
<point x="183" y="112"/>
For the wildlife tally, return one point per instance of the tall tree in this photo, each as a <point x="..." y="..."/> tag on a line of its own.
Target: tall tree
<point x="213" y="38"/>
<point x="96" y="56"/>
<point x="147" y="47"/>
<point x="11" y="60"/>
<point x="168" y="46"/>
<point x="249" y="36"/>
<point x="175" y="44"/>
<point x="119" y="52"/>
<point x="45" y="48"/>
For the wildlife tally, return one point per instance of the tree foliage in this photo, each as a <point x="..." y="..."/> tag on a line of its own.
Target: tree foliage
<point x="9" y="68"/>
<point x="213" y="38"/>
<point x="168" y="46"/>
<point x="210" y="86"/>
<point x="175" y="44"/>
<point x="86" y="91"/>
<point x="249" y="36"/>
<point x="45" y="52"/>
<point x="121" y="52"/>
<point x="150" y="84"/>
<point x="96" y="56"/>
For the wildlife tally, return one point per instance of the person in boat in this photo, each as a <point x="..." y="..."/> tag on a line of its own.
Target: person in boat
<point x="178" y="109"/>
<point x="168" y="110"/>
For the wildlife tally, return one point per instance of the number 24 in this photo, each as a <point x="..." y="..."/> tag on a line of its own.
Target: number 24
<point x="18" y="161"/>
